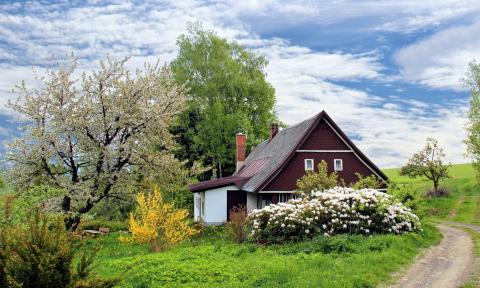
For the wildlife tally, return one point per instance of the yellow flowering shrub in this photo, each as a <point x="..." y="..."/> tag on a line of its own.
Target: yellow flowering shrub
<point x="158" y="223"/>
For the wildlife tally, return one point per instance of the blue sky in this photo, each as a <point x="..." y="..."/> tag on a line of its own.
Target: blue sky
<point x="389" y="72"/>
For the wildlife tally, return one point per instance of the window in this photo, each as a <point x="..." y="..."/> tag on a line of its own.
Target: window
<point x="338" y="164"/>
<point x="308" y="164"/>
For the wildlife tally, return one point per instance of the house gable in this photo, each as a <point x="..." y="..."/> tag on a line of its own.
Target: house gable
<point x="323" y="137"/>
<point x="325" y="141"/>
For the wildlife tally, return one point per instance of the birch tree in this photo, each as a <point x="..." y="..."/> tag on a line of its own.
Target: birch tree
<point x="94" y="135"/>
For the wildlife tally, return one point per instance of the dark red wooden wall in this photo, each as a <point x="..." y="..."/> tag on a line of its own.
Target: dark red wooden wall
<point x="321" y="138"/>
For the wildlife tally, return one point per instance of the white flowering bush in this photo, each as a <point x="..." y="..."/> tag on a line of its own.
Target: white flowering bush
<point x="334" y="211"/>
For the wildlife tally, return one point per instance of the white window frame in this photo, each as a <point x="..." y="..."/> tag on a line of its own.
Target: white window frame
<point x="335" y="164"/>
<point x="313" y="165"/>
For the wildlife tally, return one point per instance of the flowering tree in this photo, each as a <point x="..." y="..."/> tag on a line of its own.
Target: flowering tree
<point x="95" y="135"/>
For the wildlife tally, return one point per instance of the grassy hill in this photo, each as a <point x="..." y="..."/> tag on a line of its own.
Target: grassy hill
<point x="464" y="203"/>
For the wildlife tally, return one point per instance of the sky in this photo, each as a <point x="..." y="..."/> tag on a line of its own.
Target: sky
<point x="390" y="73"/>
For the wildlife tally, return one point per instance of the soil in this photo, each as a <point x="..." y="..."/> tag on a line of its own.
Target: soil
<point x="447" y="265"/>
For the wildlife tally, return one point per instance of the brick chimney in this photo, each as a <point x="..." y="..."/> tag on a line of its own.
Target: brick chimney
<point x="241" y="142"/>
<point x="273" y="130"/>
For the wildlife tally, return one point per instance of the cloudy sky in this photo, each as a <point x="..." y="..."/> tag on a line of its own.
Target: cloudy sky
<point x="388" y="72"/>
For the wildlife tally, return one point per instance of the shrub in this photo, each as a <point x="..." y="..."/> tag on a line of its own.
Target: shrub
<point x="236" y="227"/>
<point x="370" y="181"/>
<point x="333" y="211"/>
<point x="158" y="223"/>
<point x="317" y="181"/>
<point x="408" y="197"/>
<point x="41" y="255"/>
<point x="439" y="192"/>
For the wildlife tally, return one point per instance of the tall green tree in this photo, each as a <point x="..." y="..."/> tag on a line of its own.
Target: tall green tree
<point x="228" y="93"/>
<point x="473" y="126"/>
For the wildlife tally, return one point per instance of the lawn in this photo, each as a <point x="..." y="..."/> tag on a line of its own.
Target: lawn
<point x="211" y="261"/>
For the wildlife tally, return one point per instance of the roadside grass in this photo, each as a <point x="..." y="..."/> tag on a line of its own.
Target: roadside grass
<point x="475" y="281"/>
<point x="211" y="261"/>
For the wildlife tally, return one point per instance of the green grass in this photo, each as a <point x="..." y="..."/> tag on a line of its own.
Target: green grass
<point x="339" y="261"/>
<point x="475" y="280"/>
<point x="463" y="205"/>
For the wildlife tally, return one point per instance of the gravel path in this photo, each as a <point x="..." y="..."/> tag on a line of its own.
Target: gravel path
<point x="446" y="265"/>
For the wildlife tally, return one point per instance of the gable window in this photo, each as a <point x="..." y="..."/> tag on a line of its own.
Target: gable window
<point x="338" y="164"/>
<point x="308" y="164"/>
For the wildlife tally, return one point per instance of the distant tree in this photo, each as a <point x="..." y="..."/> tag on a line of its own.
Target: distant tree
<point x="95" y="136"/>
<point x="228" y="93"/>
<point x="428" y="163"/>
<point x="318" y="181"/>
<point x="473" y="126"/>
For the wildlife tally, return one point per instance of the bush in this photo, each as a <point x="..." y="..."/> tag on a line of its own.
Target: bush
<point x="440" y="192"/>
<point x="408" y="197"/>
<point x="41" y="255"/>
<point x="158" y="223"/>
<point x="317" y="181"/>
<point x="334" y="211"/>
<point x="236" y="227"/>
<point x="370" y="181"/>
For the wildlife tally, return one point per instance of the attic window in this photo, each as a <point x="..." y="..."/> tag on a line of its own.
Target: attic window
<point x="308" y="164"/>
<point x="338" y="164"/>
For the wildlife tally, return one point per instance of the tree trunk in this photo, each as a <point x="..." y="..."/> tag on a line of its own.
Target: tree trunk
<point x="435" y="186"/>
<point x="71" y="222"/>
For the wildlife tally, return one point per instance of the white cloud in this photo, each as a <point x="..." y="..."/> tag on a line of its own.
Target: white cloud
<point x="389" y="130"/>
<point x="441" y="60"/>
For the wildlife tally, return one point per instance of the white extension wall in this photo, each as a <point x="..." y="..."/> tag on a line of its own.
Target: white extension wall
<point x="251" y="201"/>
<point x="215" y="204"/>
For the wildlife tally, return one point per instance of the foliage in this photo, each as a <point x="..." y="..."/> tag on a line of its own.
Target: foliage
<point x="228" y="93"/>
<point x="473" y="126"/>
<point x="408" y="197"/>
<point x="236" y="228"/>
<point x="18" y="205"/>
<point x="333" y="211"/>
<point x="428" y="162"/>
<point x="95" y="136"/>
<point x="41" y="255"/>
<point x="317" y="181"/>
<point x="158" y="223"/>
<point x="370" y="181"/>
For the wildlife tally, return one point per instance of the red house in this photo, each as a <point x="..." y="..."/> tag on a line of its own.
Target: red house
<point x="270" y="172"/>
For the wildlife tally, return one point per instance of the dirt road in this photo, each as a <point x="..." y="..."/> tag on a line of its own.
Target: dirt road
<point x="446" y="265"/>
